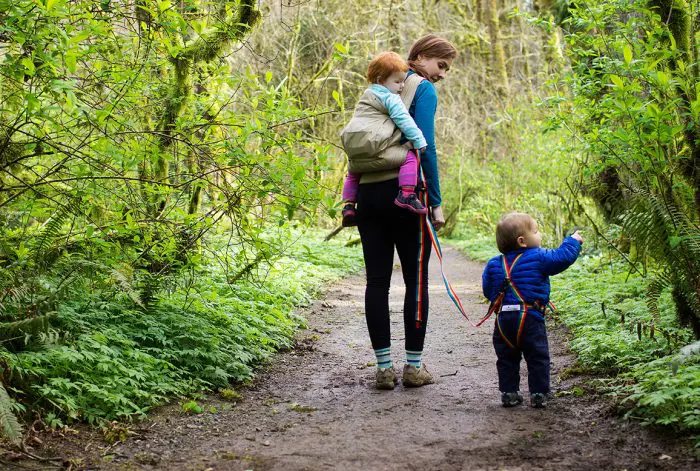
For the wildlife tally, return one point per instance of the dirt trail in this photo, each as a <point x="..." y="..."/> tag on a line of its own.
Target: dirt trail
<point x="315" y="407"/>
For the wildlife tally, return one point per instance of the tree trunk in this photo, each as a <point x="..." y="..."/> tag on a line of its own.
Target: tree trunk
<point x="232" y="28"/>
<point x="498" y="56"/>
<point x="676" y="15"/>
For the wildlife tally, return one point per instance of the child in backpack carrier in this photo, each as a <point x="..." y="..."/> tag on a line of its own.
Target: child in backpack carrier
<point x="386" y="74"/>
<point x="517" y="284"/>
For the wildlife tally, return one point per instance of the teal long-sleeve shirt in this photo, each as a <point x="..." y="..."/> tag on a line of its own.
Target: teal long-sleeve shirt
<point x="423" y="110"/>
<point x="399" y="115"/>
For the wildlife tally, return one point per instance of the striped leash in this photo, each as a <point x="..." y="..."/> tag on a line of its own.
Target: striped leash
<point x="438" y="251"/>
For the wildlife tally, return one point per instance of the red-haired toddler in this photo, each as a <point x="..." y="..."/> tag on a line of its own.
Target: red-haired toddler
<point x="386" y="74"/>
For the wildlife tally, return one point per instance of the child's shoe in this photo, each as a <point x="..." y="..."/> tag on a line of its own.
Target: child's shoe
<point x="415" y="377"/>
<point x="349" y="215"/>
<point x="511" y="399"/>
<point x="411" y="202"/>
<point x="386" y="378"/>
<point x="538" y="400"/>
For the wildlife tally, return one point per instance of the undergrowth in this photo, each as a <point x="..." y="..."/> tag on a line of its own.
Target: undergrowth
<point x="614" y="333"/>
<point x="109" y="359"/>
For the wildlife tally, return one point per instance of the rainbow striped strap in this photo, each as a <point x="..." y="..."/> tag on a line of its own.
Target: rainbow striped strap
<point x="523" y="312"/>
<point x="427" y="225"/>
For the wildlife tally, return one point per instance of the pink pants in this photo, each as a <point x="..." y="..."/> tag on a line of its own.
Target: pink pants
<point x="408" y="177"/>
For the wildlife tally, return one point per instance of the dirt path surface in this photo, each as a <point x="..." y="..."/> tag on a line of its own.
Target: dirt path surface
<point x="315" y="407"/>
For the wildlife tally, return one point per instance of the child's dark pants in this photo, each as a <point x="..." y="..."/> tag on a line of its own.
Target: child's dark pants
<point x="533" y="346"/>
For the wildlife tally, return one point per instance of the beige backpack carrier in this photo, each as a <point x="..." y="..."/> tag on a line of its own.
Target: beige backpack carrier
<point x="371" y="139"/>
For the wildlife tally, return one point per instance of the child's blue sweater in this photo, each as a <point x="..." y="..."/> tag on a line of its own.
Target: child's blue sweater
<point x="530" y="274"/>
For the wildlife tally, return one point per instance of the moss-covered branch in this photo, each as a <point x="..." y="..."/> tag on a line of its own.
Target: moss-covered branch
<point x="231" y="28"/>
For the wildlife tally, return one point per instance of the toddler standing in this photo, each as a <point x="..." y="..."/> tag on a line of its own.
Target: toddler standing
<point x="517" y="284"/>
<point x="387" y="73"/>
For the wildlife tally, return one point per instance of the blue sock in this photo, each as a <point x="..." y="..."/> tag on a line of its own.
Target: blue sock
<point x="384" y="358"/>
<point x="414" y="358"/>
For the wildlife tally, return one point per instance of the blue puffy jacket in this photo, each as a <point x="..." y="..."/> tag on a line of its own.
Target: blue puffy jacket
<point x="530" y="274"/>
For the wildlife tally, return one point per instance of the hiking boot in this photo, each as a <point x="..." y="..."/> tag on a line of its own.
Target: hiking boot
<point x="415" y="377"/>
<point x="511" y="399"/>
<point x="538" y="400"/>
<point x="410" y="202"/>
<point x="349" y="215"/>
<point x="386" y="378"/>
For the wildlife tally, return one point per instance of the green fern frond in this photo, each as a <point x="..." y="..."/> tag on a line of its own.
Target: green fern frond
<point x="50" y="231"/>
<point x="16" y="292"/>
<point x="120" y="279"/>
<point x="662" y="229"/>
<point x="658" y="284"/>
<point x="11" y="429"/>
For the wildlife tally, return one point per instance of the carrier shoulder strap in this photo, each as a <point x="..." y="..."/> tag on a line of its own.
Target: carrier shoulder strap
<point x="409" y="89"/>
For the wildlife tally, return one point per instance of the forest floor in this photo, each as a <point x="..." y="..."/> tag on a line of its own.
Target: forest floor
<point x="315" y="407"/>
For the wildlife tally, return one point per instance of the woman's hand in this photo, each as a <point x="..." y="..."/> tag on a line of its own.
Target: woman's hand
<point x="437" y="218"/>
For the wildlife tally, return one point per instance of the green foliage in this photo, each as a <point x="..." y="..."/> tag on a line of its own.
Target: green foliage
<point x="11" y="428"/>
<point x="230" y="395"/>
<point x="664" y="392"/>
<point x="148" y="182"/>
<point x="633" y="106"/>
<point x="614" y="332"/>
<point x="531" y="178"/>
<point x="113" y="361"/>
<point x="191" y="407"/>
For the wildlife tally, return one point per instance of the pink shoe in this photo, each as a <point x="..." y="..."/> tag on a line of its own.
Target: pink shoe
<point x="349" y="215"/>
<point x="410" y="202"/>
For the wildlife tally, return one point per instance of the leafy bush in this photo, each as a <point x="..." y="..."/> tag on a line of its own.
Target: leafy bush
<point x="665" y="392"/>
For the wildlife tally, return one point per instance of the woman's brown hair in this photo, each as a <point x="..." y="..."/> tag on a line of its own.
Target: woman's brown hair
<point x="431" y="45"/>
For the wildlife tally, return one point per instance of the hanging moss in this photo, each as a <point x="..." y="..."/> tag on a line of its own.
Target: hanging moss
<point x="675" y="14"/>
<point x="205" y="49"/>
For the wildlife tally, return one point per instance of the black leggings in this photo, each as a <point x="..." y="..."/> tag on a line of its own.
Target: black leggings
<point x="383" y="226"/>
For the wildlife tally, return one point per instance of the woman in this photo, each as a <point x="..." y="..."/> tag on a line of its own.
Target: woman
<point x="383" y="226"/>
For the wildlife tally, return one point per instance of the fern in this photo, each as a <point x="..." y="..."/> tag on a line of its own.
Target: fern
<point x="667" y="234"/>
<point x="654" y="291"/>
<point x="120" y="279"/>
<point x="11" y="429"/>
<point x="51" y="230"/>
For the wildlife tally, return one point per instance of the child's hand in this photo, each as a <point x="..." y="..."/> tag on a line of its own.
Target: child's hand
<point x="578" y="237"/>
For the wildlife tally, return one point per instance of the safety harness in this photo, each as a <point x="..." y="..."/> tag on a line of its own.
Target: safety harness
<point x="498" y="307"/>
<point x="422" y="191"/>
<point x="495" y="306"/>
